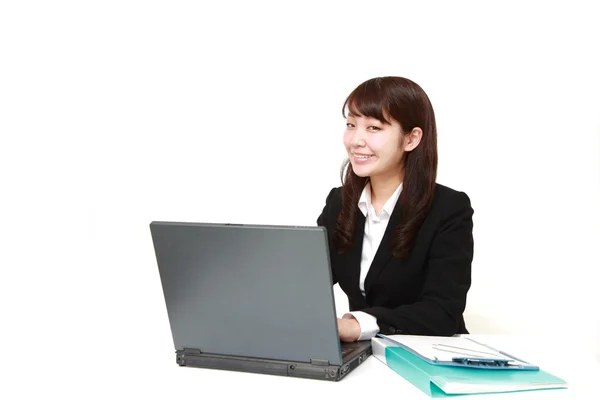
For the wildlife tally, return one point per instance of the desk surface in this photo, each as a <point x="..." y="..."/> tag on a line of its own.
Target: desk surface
<point x="152" y="373"/>
<point x="372" y="378"/>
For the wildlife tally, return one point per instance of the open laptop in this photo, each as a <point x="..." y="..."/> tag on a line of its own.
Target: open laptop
<point x="252" y="298"/>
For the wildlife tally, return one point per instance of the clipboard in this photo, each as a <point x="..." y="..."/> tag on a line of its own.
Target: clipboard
<point x="457" y="351"/>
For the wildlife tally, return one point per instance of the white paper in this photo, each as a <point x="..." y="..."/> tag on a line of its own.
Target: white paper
<point x="442" y="348"/>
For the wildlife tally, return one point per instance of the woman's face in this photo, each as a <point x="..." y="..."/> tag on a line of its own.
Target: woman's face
<point x="374" y="147"/>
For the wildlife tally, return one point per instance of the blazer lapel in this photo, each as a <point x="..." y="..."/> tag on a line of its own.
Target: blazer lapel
<point x="384" y="251"/>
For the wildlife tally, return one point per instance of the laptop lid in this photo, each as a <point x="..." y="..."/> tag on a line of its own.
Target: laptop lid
<point x="248" y="290"/>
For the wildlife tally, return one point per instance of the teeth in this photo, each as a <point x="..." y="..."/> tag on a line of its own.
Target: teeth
<point x="362" y="157"/>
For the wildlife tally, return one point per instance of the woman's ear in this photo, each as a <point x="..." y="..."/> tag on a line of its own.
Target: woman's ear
<point x="412" y="140"/>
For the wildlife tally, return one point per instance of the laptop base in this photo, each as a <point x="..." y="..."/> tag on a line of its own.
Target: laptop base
<point x="317" y="369"/>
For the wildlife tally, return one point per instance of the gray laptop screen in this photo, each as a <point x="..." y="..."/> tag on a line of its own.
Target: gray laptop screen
<point x="253" y="291"/>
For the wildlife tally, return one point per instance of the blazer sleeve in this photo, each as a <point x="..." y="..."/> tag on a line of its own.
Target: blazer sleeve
<point x="326" y="220"/>
<point x="439" y="309"/>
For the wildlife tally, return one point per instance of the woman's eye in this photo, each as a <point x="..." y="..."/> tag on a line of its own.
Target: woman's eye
<point x="349" y="125"/>
<point x="374" y="128"/>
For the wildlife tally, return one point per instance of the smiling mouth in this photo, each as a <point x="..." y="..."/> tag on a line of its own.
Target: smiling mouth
<point x="362" y="156"/>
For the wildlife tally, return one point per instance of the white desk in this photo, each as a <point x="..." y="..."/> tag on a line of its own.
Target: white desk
<point x="164" y="379"/>
<point x="150" y="374"/>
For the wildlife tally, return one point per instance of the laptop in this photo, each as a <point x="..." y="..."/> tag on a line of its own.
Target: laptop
<point x="253" y="298"/>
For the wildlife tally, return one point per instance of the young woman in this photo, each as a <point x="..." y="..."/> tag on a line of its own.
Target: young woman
<point x="401" y="244"/>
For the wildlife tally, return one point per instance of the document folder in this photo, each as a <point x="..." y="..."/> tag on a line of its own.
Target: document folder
<point x="441" y="378"/>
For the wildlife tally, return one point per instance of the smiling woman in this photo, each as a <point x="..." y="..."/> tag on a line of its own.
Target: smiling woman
<point x="402" y="244"/>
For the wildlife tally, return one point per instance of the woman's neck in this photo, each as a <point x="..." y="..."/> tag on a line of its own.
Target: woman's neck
<point x="382" y="189"/>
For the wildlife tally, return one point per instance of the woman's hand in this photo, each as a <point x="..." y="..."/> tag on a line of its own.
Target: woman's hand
<point x="349" y="329"/>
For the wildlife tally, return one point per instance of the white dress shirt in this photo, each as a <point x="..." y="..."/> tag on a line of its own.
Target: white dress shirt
<point x="375" y="226"/>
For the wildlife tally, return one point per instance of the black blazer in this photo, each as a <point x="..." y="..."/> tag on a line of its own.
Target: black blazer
<point x="426" y="293"/>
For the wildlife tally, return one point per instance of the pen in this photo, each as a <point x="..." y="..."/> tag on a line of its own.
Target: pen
<point x="483" y="361"/>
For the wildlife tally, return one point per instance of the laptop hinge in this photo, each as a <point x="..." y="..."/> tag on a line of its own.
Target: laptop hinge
<point x="316" y="361"/>
<point x="183" y="355"/>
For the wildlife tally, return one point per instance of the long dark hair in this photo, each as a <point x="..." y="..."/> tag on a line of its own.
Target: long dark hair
<point x="408" y="104"/>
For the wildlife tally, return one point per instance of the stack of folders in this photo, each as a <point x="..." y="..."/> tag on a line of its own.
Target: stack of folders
<point x="459" y="365"/>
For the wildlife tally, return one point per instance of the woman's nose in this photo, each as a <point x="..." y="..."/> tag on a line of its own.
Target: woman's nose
<point x="358" y="139"/>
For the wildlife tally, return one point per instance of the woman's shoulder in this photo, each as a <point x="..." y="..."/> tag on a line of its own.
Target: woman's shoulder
<point x="445" y="197"/>
<point x="450" y="198"/>
<point x="333" y="205"/>
<point x="447" y="192"/>
<point x="334" y="197"/>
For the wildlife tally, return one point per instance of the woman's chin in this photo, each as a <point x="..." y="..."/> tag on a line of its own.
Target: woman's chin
<point x="361" y="170"/>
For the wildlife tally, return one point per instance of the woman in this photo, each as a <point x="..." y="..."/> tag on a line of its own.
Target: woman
<point x="401" y="244"/>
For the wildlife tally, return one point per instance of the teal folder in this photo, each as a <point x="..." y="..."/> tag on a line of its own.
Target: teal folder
<point x="442" y="380"/>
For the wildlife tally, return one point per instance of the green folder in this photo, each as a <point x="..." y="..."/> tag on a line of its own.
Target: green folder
<point x="444" y="380"/>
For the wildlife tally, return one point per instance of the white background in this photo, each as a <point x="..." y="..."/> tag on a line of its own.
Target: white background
<point x="117" y="113"/>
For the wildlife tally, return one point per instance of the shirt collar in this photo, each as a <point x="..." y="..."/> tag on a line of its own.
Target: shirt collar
<point x="364" y="202"/>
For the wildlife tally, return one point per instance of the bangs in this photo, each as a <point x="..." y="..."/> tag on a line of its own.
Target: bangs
<point x="367" y="100"/>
